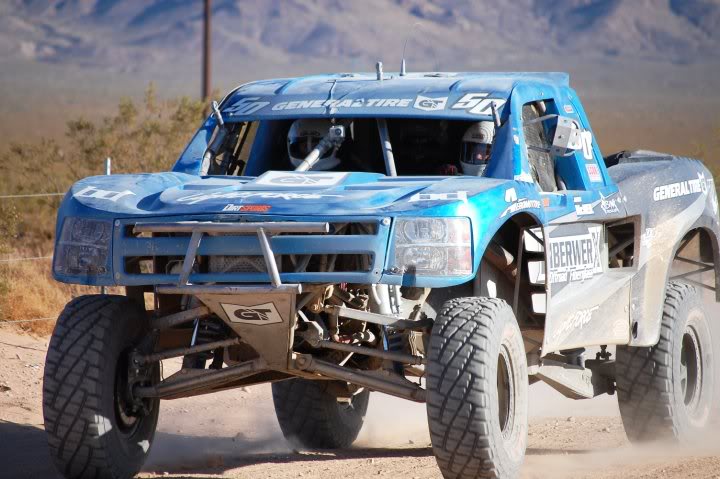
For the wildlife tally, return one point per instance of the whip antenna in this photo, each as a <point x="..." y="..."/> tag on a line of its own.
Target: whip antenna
<point x="403" y="70"/>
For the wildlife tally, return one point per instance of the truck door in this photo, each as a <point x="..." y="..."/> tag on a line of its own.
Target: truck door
<point x="586" y="300"/>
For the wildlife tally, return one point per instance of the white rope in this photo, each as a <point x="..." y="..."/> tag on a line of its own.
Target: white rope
<point x="34" y="258"/>
<point x="33" y="195"/>
<point x="28" y="320"/>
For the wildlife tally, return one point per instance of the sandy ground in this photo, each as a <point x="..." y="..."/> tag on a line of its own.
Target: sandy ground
<point x="234" y="434"/>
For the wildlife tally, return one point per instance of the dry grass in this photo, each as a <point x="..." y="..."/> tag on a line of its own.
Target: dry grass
<point x="28" y="291"/>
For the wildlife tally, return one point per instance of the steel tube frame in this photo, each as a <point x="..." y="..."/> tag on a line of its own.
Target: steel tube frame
<point x="408" y="391"/>
<point x="392" y="356"/>
<point x="210" y="379"/>
<point x="228" y="289"/>
<point x="179" y="318"/>
<point x="375" y="318"/>
<point x="271" y="227"/>
<point x="177" y="352"/>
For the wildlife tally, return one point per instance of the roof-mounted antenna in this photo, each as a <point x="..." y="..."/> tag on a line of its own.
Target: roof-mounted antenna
<point x="403" y="70"/>
<point x="379" y="70"/>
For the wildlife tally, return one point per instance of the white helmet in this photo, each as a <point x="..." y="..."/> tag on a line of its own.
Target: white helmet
<point x="304" y="136"/>
<point x="477" y="147"/>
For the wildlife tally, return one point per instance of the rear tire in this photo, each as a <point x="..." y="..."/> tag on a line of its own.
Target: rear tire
<point x="665" y="391"/>
<point x="91" y="431"/>
<point x="477" y="387"/>
<point x="312" y="417"/>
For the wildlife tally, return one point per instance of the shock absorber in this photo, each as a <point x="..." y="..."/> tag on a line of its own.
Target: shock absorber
<point x="206" y="331"/>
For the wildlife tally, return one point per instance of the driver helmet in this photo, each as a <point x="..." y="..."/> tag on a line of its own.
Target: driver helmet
<point x="477" y="147"/>
<point x="304" y="136"/>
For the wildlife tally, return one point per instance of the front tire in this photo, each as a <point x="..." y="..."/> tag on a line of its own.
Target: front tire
<point x="477" y="390"/>
<point x="92" y="432"/>
<point x="309" y="415"/>
<point x="665" y="391"/>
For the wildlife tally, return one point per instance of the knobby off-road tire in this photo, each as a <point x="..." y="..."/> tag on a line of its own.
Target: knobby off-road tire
<point x="89" y="431"/>
<point x="665" y="391"/>
<point x="312" y="417"/>
<point x="477" y="390"/>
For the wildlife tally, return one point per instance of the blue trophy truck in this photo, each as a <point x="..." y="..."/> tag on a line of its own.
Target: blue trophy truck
<point x="446" y="238"/>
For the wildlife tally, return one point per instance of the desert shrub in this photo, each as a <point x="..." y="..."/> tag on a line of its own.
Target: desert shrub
<point x="139" y="137"/>
<point x="143" y="137"/>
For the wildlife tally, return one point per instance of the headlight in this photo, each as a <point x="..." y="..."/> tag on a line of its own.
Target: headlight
<point x="83" y="247"/>
<point x="432" y="246"/>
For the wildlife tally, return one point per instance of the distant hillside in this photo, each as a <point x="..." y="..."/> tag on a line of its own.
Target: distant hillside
<point x="131" y="34"/>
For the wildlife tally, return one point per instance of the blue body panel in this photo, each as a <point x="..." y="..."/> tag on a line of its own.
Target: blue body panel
<point x="183" y="195"/>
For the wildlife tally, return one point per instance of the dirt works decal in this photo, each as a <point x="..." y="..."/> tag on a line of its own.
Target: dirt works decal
<point x="517" y="204"/>
<point x="260" y="314"/>
<point x="682" y="188"/>
<point x="575" y="258"/>
<point x="247" y="208"/>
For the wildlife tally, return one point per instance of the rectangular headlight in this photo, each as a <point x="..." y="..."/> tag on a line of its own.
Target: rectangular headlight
<point x="82" y="248"/>
<point x="432" y="246"/>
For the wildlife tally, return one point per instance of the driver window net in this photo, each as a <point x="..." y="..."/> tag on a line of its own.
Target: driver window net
<point x="541" y="163"/>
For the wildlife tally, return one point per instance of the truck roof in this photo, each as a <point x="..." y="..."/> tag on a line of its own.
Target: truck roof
<point x="420" y="94"/>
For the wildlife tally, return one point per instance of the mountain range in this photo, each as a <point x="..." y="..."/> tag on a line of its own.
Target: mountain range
<point x="131" y="35"/>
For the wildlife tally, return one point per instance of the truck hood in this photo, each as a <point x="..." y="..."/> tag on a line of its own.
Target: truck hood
<point x="274" y="192"/>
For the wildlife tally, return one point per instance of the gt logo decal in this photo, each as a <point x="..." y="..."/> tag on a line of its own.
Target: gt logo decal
<point x="430" y="104"/>
<point x="478" y="103"/>
<point x="248" y="314"/>
<point x="259" y="314"/>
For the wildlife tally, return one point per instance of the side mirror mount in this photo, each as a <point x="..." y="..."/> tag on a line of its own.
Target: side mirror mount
<point x="568" y="137"/>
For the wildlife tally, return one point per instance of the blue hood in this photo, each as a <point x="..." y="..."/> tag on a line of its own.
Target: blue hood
<point x="285" y="193"/>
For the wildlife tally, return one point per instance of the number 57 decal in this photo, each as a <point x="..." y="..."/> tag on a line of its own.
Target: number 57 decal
<point x="478" y="103"/>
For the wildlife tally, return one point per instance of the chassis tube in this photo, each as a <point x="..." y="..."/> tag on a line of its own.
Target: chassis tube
<point x="410" y="391"/>
<point x="392" y="356"/>
<point x="173" y="353"/>
<point x="205" y="380"/>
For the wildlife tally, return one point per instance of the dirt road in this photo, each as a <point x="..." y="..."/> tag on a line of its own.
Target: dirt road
<point x="234" y="434"/>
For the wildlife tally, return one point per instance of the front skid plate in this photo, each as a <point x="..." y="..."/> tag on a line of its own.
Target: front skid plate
<point x="266" y="322"/>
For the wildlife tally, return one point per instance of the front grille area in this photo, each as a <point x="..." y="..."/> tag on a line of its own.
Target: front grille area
<point x="353" y="250"/>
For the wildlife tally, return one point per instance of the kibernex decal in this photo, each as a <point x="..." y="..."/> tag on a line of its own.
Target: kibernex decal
<point x="681" y="188"/>
<point x="259" y="314"/>
<point x="576" y="257"/>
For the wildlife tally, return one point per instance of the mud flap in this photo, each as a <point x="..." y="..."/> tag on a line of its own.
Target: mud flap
<point x="266" y="322"/>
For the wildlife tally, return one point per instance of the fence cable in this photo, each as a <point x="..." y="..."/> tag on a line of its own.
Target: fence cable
<point x="30" y="195"/>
